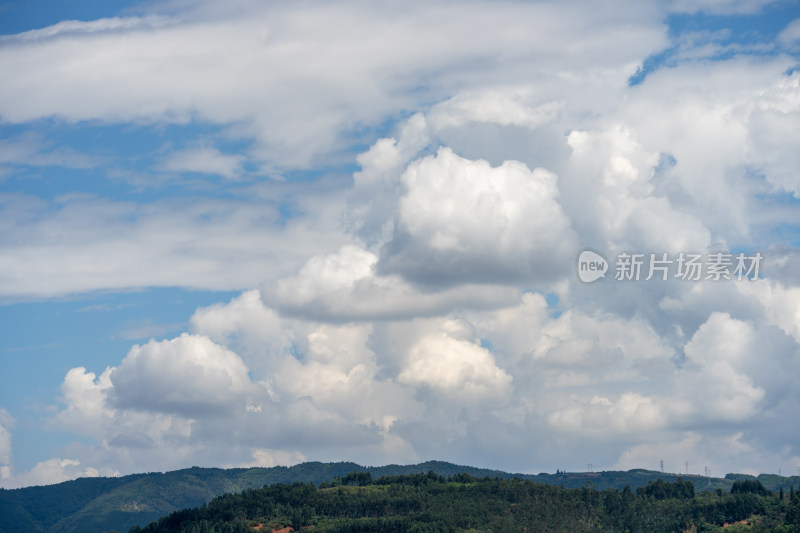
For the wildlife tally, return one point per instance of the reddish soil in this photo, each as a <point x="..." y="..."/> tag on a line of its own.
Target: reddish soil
<point x="741" y="522"/>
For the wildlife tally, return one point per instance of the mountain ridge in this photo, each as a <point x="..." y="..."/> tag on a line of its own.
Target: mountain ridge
<point x="119" y="503"/>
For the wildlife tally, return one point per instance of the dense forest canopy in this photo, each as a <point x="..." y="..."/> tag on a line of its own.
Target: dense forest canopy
<point x="431" y="502"/>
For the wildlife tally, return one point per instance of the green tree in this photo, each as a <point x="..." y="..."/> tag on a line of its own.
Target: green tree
<point x="749" y="486"/>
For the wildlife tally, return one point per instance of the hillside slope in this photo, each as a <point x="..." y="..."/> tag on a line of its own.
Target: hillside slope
<point x="104" y="504"/>
<point x="462" y="503"/>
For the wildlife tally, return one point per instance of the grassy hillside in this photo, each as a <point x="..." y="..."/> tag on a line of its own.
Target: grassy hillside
<point x="103" y="504"/>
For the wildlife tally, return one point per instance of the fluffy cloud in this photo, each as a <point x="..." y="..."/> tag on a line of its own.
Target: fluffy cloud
<point x="717" y="382"/>
<point x="254" y="331"/>
<point x="454" y="365"/>
<point x="613" y="199"/>
<point x="89" y="410"/>
<point x="53" y="471"/>
<point x="509" y="107"/>
<point x="394" y="388"/>
<point x="372" y="202"/>
<point x="84" y="394"/>
<point x="781" y="303"/>
<point x="602" y="417"/>
<point x="345" y="286"/>
<point x="714" y="377"/>
<point x="589" y="375"/>
<point x="772" y="141"/>
<point x="185" y="375"/>
<point x="464" y="221"/>
<point x="328" y="369"/>
<point x="339" y="374"/>
<point x="575" y="343"/>
<point x="318" y="393"/>
<point x="706" y="116"/>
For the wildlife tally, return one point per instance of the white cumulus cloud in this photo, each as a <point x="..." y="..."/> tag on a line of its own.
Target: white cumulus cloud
<point x="185" y="375"/>
<point x="464" y="221"/>
<point x="455" y="366"/>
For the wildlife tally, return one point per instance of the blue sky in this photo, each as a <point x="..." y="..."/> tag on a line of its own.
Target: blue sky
<point x="265" y="233"/>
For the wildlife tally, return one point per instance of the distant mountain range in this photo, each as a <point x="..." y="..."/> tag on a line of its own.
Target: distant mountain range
<point x="117" y="504"/>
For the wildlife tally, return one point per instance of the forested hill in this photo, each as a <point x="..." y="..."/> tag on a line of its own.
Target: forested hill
<point x="103" y="504"/>
<point x="462" y="503"/>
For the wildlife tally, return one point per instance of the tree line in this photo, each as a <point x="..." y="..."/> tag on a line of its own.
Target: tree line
<point x="431" y="502"/>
